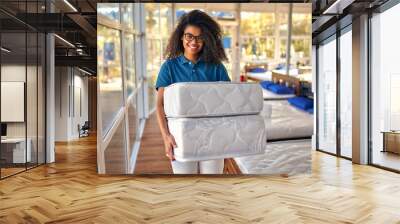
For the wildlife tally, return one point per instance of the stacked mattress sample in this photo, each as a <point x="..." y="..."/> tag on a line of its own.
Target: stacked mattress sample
<point x="213" y="120"/>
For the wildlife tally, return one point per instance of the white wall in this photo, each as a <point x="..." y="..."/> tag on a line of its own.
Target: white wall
<point x="62" y="80"/>
<point x="70" y="84"/>
<point x="80" y="94"/>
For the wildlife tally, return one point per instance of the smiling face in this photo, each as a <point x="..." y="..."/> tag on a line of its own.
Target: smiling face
<point x="190" y="40"/>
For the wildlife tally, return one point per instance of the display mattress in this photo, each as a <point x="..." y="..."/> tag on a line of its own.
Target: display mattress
<point x="284" y="121"/>
<point x="284" y="157"/>
<point x="210" y="138"/>
<point x="260" y="75"/>
<point x="269" y="95"/>
<point x="211" y="99"/>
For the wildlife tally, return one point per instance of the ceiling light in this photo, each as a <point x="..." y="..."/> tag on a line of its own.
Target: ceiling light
<point x="65" y="41"/>
<point x="70" y="5"/>
<point x="5" y="50"/>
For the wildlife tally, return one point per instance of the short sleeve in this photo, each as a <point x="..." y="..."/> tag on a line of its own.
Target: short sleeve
<point x="164" y="77"/>
<point x="223" y="74"/>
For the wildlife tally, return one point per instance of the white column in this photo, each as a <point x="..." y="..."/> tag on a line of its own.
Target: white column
<point x="50" y="99"/>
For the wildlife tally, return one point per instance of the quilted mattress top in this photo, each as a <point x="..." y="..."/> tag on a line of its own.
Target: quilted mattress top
<point x="211" y="99"/>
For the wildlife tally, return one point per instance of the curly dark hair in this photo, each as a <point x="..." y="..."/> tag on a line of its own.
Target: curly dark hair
<point x="212" y="50"/>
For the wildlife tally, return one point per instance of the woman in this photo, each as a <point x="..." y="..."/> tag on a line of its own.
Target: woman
<point x="194" y="54"/>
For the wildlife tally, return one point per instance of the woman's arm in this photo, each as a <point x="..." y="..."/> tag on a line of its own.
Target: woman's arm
<point x="223" y="74"/>
<point x="169" y="141"/>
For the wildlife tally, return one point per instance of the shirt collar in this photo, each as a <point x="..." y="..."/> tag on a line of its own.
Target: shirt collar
<point x="184" y="60"/>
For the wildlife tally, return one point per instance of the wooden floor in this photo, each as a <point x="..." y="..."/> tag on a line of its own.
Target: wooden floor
<point x="151" y="157"/>
<point x="5" y="172"/>
<point x="70" y="191"/>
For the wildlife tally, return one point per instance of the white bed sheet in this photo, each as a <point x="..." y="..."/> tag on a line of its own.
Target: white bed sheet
<point x="269" y="95"/>
<point x="285" y="121"/>
<point x="284" y="157"/>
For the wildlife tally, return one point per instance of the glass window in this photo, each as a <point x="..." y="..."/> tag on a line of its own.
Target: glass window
<point x="127" y="14"/>
<point x="31" y="98"/>
<point x="283" y="47"/>
<point x="152" y="19"/>
<point x="154" y="54"/>
<point x="165" y="20"/>
<point x="327" y="97"/>
<point x="13" y="122"/>
<point x="129" y="63"/>
<point x="115" y="154"/>
<point x="110" y="10"/>
<point x="257" y="24"/>
<point x="301" y="24"/>
<point x="109" y="74"/>
<point x="257" y="31"/>
<point x="283" y="24"/>
<point x="300" y="52"/>
<point x="153" y="66"/>
<point x="166" y="25"/>
<point x="385" y="85"/>
<point x="23" y="88"/>
<point x="132" y="125"/>
<point x="223" y="15"/>
<point x="112" y="63"/>
<point x="183" y="10"/>
<point x="346" y="94"/>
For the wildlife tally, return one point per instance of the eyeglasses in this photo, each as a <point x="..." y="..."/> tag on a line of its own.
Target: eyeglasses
<point x="189" y="37"/>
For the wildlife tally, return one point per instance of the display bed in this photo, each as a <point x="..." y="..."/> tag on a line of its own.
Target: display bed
<point x="269" y="95"/>
<point x="283" y="157"/>
<point x="284" y="121"/>
<point x="259" y="76"/>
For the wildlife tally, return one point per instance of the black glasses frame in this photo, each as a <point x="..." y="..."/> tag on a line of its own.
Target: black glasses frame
<point x="189" y="37"/>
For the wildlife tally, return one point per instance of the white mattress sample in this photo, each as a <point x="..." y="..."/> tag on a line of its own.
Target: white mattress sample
<point x="264" y="76"/>
<point x="210" y="99"/>
<point x="284" y="157"/>
<point x="285" y="121"/>
<point x="209" y="138"/>
<point x="269" y="95"/>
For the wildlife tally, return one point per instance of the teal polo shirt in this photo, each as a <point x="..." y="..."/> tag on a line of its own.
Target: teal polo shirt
<point x="180" y="69"/>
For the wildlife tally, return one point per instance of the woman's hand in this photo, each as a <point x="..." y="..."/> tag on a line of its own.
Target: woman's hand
<point x="169" y="140"/>
<point x="169" y="144"/>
